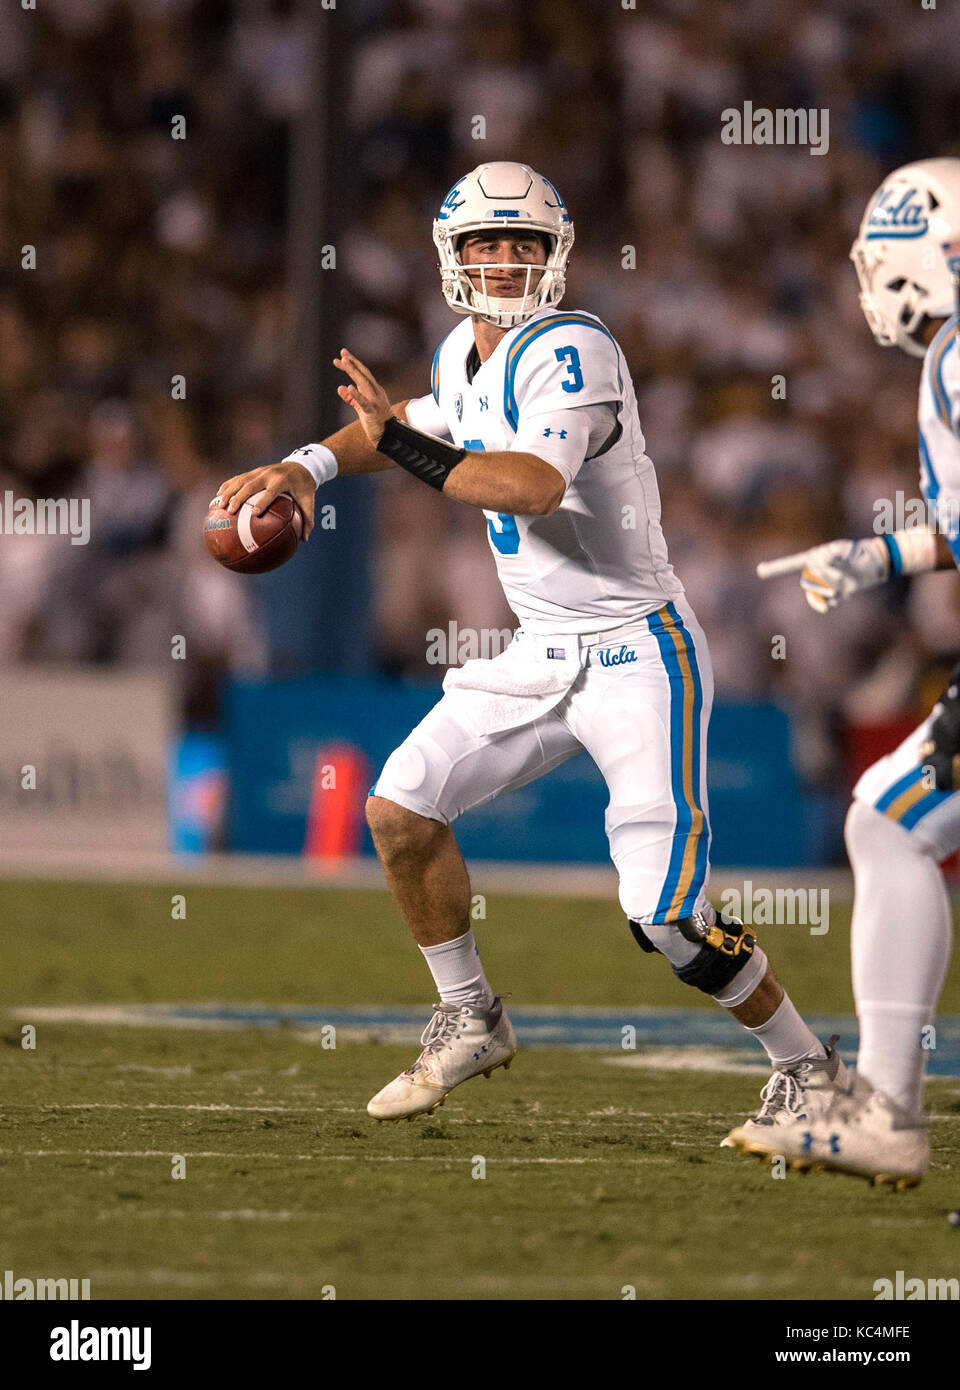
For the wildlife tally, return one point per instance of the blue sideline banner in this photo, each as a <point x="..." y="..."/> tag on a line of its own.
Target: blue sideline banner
<point x="758" y="809"/>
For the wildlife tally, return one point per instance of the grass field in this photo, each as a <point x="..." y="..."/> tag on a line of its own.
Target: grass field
<point x="596" y="1176"/>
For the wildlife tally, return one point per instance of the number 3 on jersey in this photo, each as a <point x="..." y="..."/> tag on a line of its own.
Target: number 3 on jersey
<point x="571" y="357"/>
<point x="505" y="537"/>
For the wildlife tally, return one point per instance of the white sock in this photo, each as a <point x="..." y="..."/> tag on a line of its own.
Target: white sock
<point x="456" y="969"/>
<point x="890" y="1056"/>
<point x="901" y="936"/>
<point x="786" y="1038"/>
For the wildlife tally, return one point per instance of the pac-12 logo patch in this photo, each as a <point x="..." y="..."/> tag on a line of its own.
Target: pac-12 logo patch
<point x="458" y="405"/>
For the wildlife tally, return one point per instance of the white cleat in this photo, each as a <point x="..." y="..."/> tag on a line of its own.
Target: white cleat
<point x="862" y="1133"/>
<point x="459" y="1042"/>
<point x="799" y="1094"/>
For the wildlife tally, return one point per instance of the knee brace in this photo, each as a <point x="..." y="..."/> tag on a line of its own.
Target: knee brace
<point x="725" y="947"/>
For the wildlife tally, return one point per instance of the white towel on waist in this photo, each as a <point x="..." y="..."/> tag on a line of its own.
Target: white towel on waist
<point x="512" y="689"/>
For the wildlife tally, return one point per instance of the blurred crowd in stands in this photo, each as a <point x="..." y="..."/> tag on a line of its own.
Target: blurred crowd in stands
<point x="158" y="257"/>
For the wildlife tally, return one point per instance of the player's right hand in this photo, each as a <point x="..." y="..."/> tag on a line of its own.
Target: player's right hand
<point x="271" y="480"/>
<point x="835" y="570"/>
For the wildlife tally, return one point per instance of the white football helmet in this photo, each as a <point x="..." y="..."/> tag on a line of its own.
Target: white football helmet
<point x="907" y="252"/>
<point x="502" y="195"/>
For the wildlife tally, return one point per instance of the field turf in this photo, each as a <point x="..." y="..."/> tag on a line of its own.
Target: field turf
<point x="597" y="1177"/>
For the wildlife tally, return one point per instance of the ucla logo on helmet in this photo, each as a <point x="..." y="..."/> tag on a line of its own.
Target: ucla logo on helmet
<point x="896" y="214"/>
<point x="450" y="203"/>
<point x="560" y="204"/>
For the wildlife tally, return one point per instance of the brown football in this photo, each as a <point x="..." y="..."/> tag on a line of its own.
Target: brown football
<point x="252" y="544"/>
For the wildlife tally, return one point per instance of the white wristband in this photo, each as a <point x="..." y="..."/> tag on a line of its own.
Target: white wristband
<point x="319" y="461"/>
<point x="913" y="551"/>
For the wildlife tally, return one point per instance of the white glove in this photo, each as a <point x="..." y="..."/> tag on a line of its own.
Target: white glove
<point x="835" y="570"/>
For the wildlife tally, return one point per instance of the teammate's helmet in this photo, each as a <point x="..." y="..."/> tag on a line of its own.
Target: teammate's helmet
<point x="907" y="251"/>
<point x="498" y="196"/>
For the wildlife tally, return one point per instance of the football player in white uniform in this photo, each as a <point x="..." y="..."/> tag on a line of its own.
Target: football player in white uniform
<point x="905" y="815"/>
<point x="532" y="417"/>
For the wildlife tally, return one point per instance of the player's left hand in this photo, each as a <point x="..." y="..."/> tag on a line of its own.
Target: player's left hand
<point x="942" y="752"/>
<point x="366" y="395"/>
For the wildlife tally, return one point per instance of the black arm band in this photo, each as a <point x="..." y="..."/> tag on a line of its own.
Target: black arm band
<point x="426" y="458"/>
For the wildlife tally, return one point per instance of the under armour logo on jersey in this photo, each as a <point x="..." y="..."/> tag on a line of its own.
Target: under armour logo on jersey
<point x="484" y="402"/>
<point x="561" y="434"/>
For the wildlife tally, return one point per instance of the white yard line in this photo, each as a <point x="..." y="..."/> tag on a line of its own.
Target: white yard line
<point x="58" y="1068"/>
<point x="258" y="1154"/>
<point x="188" y="1280"/>
<point x="692" y="1059"/>
<point x="483" y="1283"/>
<point x="242" y="1214"/>
<point x="900" y="1221"/>
<point x="215" y="1107"/>
<point x="588" y="1121"/>
<point x="163" y="1105"/>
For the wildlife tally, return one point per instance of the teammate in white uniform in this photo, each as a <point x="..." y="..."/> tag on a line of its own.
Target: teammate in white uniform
<point x="905" y="815"/>
<point x="540" y="414"/>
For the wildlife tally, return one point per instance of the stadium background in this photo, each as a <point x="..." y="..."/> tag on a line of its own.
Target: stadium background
<point x="201" y="257"/>
<point x="179" y="1004"/>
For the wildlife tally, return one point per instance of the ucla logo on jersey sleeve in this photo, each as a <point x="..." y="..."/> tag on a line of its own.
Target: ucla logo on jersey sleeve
<point x="893" y="216"/>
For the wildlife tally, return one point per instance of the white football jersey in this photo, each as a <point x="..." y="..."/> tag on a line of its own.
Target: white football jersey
<point x="558" y="386"/>
<point x="939" y="424"/>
